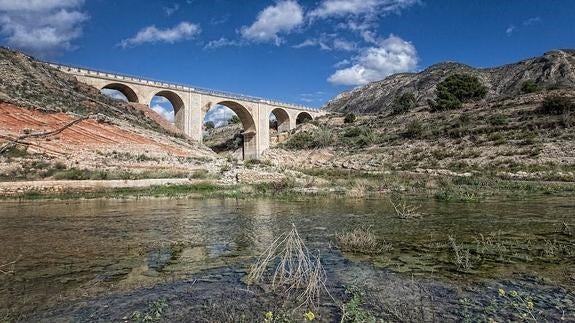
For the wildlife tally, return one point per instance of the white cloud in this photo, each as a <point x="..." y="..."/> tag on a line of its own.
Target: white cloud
<point x="282" y="17"/>
<point x="532" y="21"/>
<point x="340" y="8"/>
<point x="328" y="42"/>
<point x="41" y="27"/>
<point x="114" y="94"/>
<point x="392" y="55"/>
<point x="219" y="115"/>
<point x="151" y="34"/>
<point x="222" y="42"/>
<point x="168" y="11"/>
<point x="510" y="30"/>
<point x="165" y="112"/>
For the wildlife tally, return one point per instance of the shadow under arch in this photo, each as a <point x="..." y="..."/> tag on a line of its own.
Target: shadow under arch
<point x="125" y="90"/>
<point x="303" y="117"/>
<point x="178" y="105"/>
<point x="282" y="118"/>
<point x="249" y="150"/>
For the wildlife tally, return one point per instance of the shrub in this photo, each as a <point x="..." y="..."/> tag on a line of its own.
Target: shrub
<point x="349" y="118"/>
<point x="209" y="125"/>
<point x="457" y="89"/>
<point x="353" y="132"/>
<point x="323" y="137"/>
<point x="498" y="119"/>
<point x="556" y="105"/>
<point x="235" y="119"/>
<point x="414" y="130"/>
<point x="529" y="86"/>
<point x="360" y="240"/>
<point x="403" y="103"/>
<point x="300" y="140"/>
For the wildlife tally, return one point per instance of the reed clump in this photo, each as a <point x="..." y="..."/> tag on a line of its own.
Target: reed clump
<point x="288" y="265"/>
<point x="361" y="240"/>
<point x="404" y="210"/>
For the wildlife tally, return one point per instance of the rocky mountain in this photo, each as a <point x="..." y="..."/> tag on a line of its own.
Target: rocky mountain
<point x="553" y="70"/>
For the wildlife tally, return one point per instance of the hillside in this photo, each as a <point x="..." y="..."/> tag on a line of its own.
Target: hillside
<point x="52" y="126"/>
<point x="553" y="70"/>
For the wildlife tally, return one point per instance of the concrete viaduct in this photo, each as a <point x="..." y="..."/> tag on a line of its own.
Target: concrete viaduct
<point x="191" y="105"/>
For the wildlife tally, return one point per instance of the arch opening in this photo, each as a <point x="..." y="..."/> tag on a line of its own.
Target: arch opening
<point x="170" y="106"/>
<point x="120" y="92"/>
<point x="228" y="127"/>
<point x="279" y="125"/>
<point x="303" y="117"/>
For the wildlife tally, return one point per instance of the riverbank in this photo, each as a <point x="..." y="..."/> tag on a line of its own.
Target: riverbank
<point x="310" y="183"/>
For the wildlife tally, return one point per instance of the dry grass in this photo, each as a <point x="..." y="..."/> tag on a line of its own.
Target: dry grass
<point x="296" y="270"/>
<point x="462" y="256"/>
<point x="361" y="240"/>
<point x="404" y="210"/>
<point x="7" y="268"/>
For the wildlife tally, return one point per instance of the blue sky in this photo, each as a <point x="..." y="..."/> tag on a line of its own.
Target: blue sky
<point x="298" y="51"/>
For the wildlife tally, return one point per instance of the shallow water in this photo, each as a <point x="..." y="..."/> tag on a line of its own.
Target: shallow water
<point x="67" y="251"/>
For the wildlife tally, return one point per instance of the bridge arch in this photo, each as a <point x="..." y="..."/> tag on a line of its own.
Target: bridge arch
<point x="282" y="119"/>
<point x="177" y="104"/>
<point x="303" y="117"/>
<point x="127" y="91"/>
<point x="249" y="133"/>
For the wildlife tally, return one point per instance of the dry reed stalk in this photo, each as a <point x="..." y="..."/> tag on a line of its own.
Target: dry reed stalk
<point x="295" y="271"/>
<point x="405" y="211"/>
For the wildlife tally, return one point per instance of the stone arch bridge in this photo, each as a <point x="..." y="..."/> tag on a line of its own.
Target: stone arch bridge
<point x="191" y="105"/>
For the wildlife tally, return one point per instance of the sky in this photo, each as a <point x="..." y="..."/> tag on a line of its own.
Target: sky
<point x="297" y="51"/>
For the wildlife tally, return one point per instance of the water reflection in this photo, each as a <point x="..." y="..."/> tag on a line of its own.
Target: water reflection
<point x="68" y="248"/>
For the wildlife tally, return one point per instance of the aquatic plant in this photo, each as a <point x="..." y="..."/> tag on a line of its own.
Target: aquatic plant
<point x="361" y="240"/>
<point x="404" y="210"/>
<point x="462" y="256"/>
<point x="8" y="268"/>
<point x="296" y="270"/>
<point x="353" y="311"/>
<point x="154" y="312"/>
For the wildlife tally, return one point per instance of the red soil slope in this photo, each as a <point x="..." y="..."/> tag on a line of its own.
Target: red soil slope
<point x="87" y="135"/>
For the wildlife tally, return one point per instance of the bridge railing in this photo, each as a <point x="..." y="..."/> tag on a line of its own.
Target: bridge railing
<point x="175" y="86"/>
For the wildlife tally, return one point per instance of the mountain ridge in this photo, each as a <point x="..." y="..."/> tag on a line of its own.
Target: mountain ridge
<point x="554" y="69"/>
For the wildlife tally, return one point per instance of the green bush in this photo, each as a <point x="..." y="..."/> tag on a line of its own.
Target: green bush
<point x="415" y="129"/>
<point x="234" y="120"/>
<point x="556" y="105"/>
<point x="403" y="103"/>
<point x="300" y="140"/>
<point x="320" y="138"/>
<point x="497" y="119"/>
<point x="209" y="125"/>
<point x="457" y="89"/>
<point x="353" y="132"/>
<point x="349" y="118"/>
<point x="529" y="86"/>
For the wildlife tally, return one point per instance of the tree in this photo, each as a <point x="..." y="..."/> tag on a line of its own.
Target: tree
<point x="403" y="103"/>
<point x="529" y="87"/>
<point x="556" y="105"/>
<point x="234" y="120"/>
<point x="209" y="125"/>
<point x="457" y="89"/>
<point x="349" y="118"/>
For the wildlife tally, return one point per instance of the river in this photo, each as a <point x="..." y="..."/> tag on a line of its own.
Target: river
<point x="104" y="260"/>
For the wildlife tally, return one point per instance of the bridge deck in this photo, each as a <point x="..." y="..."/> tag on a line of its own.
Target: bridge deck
<point x="175" y="86"/>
